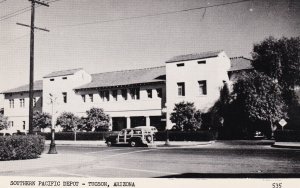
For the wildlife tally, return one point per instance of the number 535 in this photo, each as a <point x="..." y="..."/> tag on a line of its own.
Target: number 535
<point x="276" y="185"/>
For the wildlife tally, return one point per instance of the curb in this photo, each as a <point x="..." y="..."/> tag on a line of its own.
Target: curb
<point x="160" y="145"/>
<point x="285" y="146"/>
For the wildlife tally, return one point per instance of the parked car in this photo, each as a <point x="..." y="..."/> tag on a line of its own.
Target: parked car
<point x="133" y="137"/>
<point x="151" y="128"/>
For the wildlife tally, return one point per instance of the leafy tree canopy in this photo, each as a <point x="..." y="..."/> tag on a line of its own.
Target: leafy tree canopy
<point x="41" y="119"/>
<point x="186" y="117"/>
<point x="3" y="122"/>
<point x="259" y="98"/>
<point x="68" y="121"/>
<point x="279" y="59"/>
<point x="96" y="120"/>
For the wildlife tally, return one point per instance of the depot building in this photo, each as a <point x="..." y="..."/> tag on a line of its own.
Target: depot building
<point x="138" y="97"/>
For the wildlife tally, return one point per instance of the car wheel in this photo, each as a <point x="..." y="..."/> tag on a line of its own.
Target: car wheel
<point x="108" y="143"/>
<point x="132" y="143"/>
<point x="149" y="138"/>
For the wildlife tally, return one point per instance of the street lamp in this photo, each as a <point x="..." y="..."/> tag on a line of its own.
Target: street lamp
<point x="164" y="113"/>
<point x="52" y="149"/>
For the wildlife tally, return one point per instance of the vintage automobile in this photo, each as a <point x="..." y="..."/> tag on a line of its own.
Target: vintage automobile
<point x="133" y="137"/>
<point x="152" y="128"/>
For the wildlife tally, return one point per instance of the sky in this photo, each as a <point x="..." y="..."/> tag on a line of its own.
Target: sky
<point x="83" y="35"/>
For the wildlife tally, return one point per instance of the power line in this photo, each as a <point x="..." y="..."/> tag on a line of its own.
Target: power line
<point x="153" y="15"/>
<point x="16" y="13"/>
<point x="21" y="11"/>
<point x="2" y="1"/>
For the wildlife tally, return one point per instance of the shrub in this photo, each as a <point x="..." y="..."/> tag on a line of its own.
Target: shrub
<point x="185" y="136"/>
<point x="3" y="122"/>
<point x="41" y="119"/>
<point x="79" y="135"/>
<point x="96" y="120"/>
<point x="287" y="136"/>
<point x="68" y="121"/>
<point x="186" y="117"/>
<point x="21" y="147"/>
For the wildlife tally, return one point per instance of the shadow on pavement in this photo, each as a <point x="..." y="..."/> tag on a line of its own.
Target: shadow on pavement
<point x="221" y="175"/>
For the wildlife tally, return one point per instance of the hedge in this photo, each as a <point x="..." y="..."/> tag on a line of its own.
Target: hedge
<point x="18" y="147"/>
<point x="287" y="136"/>
<point x="185" y="136"/>
<point x="79" y="135"/>
<point x="160" y="136"/>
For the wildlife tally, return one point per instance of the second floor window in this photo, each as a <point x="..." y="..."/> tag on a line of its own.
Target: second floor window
<point x="24" y="125"/>
<point x="135" y="93"/>
<point x="65" y="97"/>
<point x="91" y="96"/>
<point x="115" y="95"/>
<point x="11" y="103"/>
<point x="159" y="92"/>
<point x="124" y="94"/>
<point x="10" y="123"/>
<point x="34" y="102"/>
<point x="181" y="89"/>
<point x="83" y="98"/>
<point x="104" y="95"/>
<point x="149" y="93"/>
<point x="202" y="87"/>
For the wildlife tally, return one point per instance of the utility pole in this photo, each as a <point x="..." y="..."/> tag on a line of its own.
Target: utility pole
<point x="31" y="76"/>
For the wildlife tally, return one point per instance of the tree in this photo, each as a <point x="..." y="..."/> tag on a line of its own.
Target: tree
<point x="217" y="114"/>
<point x="41" y="120"/>
<point x="259" y="98"/>
<point x="279" y="59"/>
<point x="68" y="121"/>
<point x="186" y="117"/>
<point x="3" y="122"/>
<point x="96" y="120"/>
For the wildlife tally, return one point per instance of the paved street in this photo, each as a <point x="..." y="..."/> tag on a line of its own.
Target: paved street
<point x="212" y="160"/>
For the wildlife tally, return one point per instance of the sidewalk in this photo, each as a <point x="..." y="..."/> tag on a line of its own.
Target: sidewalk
<point x="292" y="145"/>
<point x="43" y="162"/>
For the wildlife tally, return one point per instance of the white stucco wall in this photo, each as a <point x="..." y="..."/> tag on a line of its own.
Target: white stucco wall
<point x="19" y="114"/>
<point x="124" y="108"/>
<point x="60" y="85"/>
<point x="214" y="72"/>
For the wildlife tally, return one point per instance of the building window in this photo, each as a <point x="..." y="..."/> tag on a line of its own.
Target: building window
<point x="65" y="99"/>
<point x="83" y="98"/>
<point x="135" y="93"/>
<point x="11" y="103"/>
<point x="104" y="95"/>
<point x="22" y="103"/>
<point x="181" y="89"/>
<point x="91" y="96"/>
<point x="34" y="102"/>
<point x="64" y="78"/>
<point x="24" y="125"/>
<point x="10" y="123"/>
<point x="124" y="94"/>
<point x="159" y="92"/>
<point x="115" y="94"/>
<point x="202" y="62"/>
<point x="202" y="87"/>
<point x="52" y="79"/>
<point x="180" y="64"/>
<point x="149" y="93"/>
